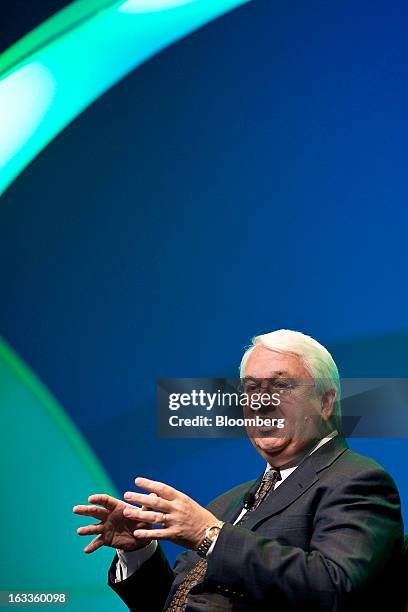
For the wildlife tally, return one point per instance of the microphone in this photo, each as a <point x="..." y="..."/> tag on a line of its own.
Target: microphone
<point x="249" y="500"/>
<point x="249" y="497"/>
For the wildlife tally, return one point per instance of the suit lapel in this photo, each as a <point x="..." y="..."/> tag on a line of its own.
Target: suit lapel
<point x="298" y="481"/>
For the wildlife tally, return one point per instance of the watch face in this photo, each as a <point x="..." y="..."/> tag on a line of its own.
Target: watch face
<point x="213" y="532"/>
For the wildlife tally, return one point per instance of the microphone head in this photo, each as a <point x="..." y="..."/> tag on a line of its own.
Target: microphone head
<point x="249" y="499"/>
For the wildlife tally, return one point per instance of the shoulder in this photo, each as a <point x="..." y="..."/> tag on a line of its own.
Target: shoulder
<point x="351" y="467"/>
<point x="352" y="462"/>
<point x="337" y="458"/>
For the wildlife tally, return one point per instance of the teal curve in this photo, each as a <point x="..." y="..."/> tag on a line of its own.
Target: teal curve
<point x="55" y="72"/>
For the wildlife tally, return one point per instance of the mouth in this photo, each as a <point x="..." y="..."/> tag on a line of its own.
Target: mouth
<point x="267" y="432"/>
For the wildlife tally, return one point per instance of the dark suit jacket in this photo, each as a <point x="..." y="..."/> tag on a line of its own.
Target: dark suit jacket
<point x="329" y="538"/>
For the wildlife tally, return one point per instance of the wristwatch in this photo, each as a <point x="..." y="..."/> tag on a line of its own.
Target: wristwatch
<point x="211" y="533"/>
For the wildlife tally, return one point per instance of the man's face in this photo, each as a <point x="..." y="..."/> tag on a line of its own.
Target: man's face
<point x="303" y="410"/>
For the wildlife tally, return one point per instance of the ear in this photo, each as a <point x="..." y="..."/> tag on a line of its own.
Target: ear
<point x="328" y="399"/>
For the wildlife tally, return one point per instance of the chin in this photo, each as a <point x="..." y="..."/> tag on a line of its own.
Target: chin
<point x="271" y="445"/>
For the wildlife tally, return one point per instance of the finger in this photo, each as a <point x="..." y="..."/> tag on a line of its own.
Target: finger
<point x="94" y="545"/>
<point x="153" y="534"/>
<point x="151" y="501"/>
<point x="150" y="498"/>
<point x="138" y="523"/>
<point x="90" y="529"/>
<point x="102" y="499"/>
<point x="94" y="511"/>
<point x="160" y="488"/>
<point x="144" y="516"/>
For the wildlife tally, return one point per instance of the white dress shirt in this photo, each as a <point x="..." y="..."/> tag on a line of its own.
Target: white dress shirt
<point x="130" y="562"/>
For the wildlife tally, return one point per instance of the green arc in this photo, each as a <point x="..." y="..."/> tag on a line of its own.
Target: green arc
<point x="55" y="72"/>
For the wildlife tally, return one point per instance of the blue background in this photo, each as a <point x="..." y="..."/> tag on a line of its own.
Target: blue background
<point x="250" y="177"/>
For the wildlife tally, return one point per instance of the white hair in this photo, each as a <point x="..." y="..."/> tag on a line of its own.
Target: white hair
<point x="315" y="357"/>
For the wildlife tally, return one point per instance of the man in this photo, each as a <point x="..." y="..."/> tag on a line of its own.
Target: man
<point x="321" y="530"/>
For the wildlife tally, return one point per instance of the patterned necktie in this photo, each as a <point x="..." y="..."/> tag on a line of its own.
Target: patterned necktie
<point x="268" y="482"/>
<point x="196" y="574"/>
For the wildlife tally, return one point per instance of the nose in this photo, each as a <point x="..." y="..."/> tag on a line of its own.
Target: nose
<point x="266" y="403"/>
